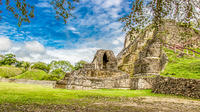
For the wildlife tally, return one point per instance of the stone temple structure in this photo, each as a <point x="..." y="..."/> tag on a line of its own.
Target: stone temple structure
<point x="140" y="58"/>
<point x="103" y="60"/>
<point x="101" y="73"/>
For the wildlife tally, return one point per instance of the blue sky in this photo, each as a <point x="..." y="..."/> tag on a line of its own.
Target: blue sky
<point x="96" y="26"/>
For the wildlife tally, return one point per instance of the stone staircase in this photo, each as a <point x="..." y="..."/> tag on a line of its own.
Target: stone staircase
<point x="142" y="56"/>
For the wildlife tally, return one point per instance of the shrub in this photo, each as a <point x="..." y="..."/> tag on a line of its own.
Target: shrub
<point x="65" y="66"/>
<point x="55" y="75"/>
<point x="41" y="66"/>
<point x="9" y="71"/>
<point x="80" y="64"/>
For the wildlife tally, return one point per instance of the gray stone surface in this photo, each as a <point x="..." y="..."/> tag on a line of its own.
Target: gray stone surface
<point x="105" y="59"/>
<point x="142" y="82"/>
<point x="95" y="79"/>
<point x="177" y="86"/>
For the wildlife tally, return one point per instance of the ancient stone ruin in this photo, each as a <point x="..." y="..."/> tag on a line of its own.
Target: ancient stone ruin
<point x="105" y="60"/>
<point x="139" y="58"/>
<point x="101" y="73"/>
<point x="137" y="66"/>
<point x="134" y="67"/>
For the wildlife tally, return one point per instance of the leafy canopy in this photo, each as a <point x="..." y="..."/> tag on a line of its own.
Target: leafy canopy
<point x="41" y="66"/>
<point x="145" y="12"/>
<point x="65" y="66"/>
<point x="23" y="11"/>
<point x="8" y="59"/>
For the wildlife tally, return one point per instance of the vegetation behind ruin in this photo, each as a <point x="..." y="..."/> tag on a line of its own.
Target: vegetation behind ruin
<point x="185" y="66"/>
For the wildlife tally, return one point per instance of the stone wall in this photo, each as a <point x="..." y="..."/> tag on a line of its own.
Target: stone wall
<point x="25" y="81"/>
<point x="177" y="86"/>
<point x="142" y="82"/>
<point x="86" y="83"/>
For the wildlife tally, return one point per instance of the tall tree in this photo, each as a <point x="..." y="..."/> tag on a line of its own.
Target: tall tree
<point x="23" y="11"/>
<point x="145" y="12"/>
<point x="41" y="65"/>
<point x="9" y="59"/>
<point x="65" y="66"/>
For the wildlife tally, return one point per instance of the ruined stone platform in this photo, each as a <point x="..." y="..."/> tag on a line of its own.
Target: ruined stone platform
<point x="95" y="79"/>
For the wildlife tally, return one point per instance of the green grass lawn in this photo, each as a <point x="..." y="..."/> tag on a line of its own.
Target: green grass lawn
<point x="35" y="94"/>
<point x="182" y="67"/>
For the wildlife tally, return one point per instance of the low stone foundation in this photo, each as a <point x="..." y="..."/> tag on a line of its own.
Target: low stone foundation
<point x="177" y="86"/>
<point x="95" y="79"/>
<point x="103" y="79"/>
<point x="122" y="82"/>
<point x="25" y="81"/>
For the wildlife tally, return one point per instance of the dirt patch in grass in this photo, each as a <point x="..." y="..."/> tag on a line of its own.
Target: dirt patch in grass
<point x="142" y="104"/>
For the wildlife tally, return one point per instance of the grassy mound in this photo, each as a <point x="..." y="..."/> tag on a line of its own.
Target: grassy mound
<point x="33" y="74"/>
<point x="9" y="71"/>
<point x="182" y="67"/>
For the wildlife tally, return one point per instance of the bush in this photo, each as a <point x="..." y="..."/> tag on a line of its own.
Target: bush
<point x="9" y="71"/>
<point x="41" y="66"/>
<point x="80" y="64"/>
<point x="65" y="66"/>
<point x="55" y="75"/>
<point x="9" y="59"/>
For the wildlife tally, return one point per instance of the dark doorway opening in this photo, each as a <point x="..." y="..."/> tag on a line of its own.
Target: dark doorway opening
<point x="105" y="60"/>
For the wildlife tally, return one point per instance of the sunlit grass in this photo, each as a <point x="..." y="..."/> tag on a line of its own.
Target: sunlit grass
<point x="34" y="74"/>
<point x="21" y="93"/>
<point x="182" y="67"/>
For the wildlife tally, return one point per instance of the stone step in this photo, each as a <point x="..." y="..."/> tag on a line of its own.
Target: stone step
<point x="63" y="82"/>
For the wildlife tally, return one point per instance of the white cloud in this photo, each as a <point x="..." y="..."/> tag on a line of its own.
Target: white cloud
<point x="35" y="47"/>
<point x="34" y="51"/>
<point x="110" y="3"/>
<point x="114" y="26"/>
<point x="72" y="55"/>
<point x="5" y="44"/>
<point x="74" y="30"/>
<point x="44" y="4"/>
<point x="105" y="14"/>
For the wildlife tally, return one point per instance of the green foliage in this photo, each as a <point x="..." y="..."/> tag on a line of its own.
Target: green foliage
<point x="65" y="66"/>
<point x="41" y="66"/>
<point x="9" y="59"/>
<point x="33" y="74"/>
<point x="1" y="59"/>
<point x="24" y="65"/>
<point x="35" y="94"/>
<point x="154" y="12"/>
<point x="55" y="75"/>
<point x="20" y="9"/>
<point x="184" y="67"/>
<point x="63" y="8"/>
<point x="19" y="64"/>
<point x="9" y="71"/>
<point x="80" y="64"/>
<point x="23" y="11"/>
